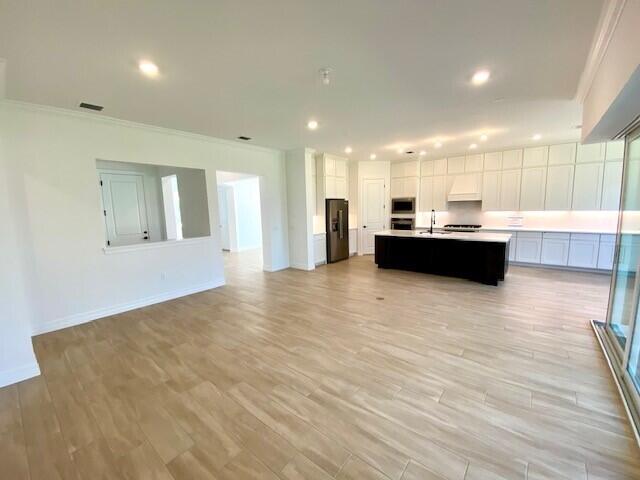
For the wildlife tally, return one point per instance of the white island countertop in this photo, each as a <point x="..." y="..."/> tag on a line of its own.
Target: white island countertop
<point x="465" y="236"/>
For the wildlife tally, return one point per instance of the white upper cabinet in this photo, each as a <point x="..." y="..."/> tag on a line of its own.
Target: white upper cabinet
<point x="341" y="168"/>
<point x="410" y="187"/>
<point x="329" y="166"/>
<point x="404" y="169"/>
<point x="559" y="187"/>
<point x="563" y="154"/>
<point x="426" y="194"/>
<point x="397" y="170"/>
<point x="426" y="168"/>
<point x="491" y="191"/>
<point x="510" y="190"/>
<point x="410" y="169"/>
<point x="611" y="185"/>
<point x="615" y="151"/>
<point x="455" y="165"/>
<point x="587" y="186"/>
<point x="397" y="187"/>
<point x="591" y="152"/>
<point x="532" y="190"/>
<point x="440" y="166"/>
<point x="492" y="161"/>
<point x="341" y="187"/>
<point x="473" y="163"/>
<point x="535" y="157"/>
<point x="440" y="193"/>
<point x="511" y="159"/>
<point x="330" y="187"/>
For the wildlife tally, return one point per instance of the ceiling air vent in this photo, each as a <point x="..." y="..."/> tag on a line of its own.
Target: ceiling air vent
<point x="90" y="106"/>
<point x="242" y="137"/>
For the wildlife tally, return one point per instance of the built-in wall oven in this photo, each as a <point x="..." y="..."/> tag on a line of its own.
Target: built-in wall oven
<point x="402" y="223"/>
<point x="403" y="205"/>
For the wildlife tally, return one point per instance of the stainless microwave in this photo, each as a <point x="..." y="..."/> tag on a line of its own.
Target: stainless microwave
<point x="403" y="205"/>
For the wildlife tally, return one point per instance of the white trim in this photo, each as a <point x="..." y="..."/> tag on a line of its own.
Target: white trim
<point x="271" y="269"/>
<point x="602" y="339"/>
<point x="609" y="17"/>
<point x="18" y="374"/>
<point x="127" y="123"/>
<point x="154" y="245"/>
<point x="302" y="266"/>
<point x="84" y="317"/>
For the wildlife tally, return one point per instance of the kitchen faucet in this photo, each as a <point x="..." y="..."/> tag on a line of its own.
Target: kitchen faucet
<point x="433" y="221"/>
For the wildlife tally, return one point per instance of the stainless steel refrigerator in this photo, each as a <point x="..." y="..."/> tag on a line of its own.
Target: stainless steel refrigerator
<point x="337" y="225"/>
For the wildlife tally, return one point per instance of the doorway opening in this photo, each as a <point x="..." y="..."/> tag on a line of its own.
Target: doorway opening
<point x="240" y="219"/>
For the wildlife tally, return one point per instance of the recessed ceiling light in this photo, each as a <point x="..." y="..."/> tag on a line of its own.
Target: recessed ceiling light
<point x="483" y="138"/>
<point x="537" y="136"/>
<point x="348" y="150"/>
<point x="399" y="150"/>
<point x="480" y="77"/>
<point x="422" y="153"/>
<point x="473" y="146"/>
<point x="438" y="144"/>
<point x="312" y="124"/>
<point x="148" y="68"/>
<point x="373" y="156"/>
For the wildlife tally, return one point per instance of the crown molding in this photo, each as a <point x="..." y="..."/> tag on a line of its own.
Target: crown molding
<point x="609" y="17"/>
<point x="99" y="118"/>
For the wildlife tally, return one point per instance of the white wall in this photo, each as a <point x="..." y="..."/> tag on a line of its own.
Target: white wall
<point x="51" y="156"/>
<point x="613" y="98"/>
<point x="248" y="222"/>
<point x="17" y="360"/>
<point x="301" y="203"/>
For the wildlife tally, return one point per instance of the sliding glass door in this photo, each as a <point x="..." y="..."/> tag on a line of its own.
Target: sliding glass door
<point x="623" y="322"/>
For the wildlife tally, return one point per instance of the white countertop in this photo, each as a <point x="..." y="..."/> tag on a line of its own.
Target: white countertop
<point x="464" y="236"/>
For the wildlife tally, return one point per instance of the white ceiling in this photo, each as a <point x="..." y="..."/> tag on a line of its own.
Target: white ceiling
<point x="232" y="67"/>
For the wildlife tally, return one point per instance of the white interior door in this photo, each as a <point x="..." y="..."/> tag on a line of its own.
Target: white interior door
<point x="224" y="218"/>
<point x="373" y="212"/>
<point x="124" y="208"/>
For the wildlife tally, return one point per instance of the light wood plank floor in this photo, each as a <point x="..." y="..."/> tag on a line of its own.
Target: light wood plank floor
<point x="346" y="372"/>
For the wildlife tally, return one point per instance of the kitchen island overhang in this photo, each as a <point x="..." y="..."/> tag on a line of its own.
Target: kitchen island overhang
<point x="478" y="256"/>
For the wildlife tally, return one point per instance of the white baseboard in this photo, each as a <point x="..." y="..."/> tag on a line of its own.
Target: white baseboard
<point x="302" y="266"/>
<point x="84" y="317"/>
<point x="15" y="375"/>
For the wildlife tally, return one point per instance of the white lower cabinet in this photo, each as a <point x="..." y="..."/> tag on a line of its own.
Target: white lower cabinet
<point x="528" y="247"/>
<point x="320" y="248"/>
<point x="606" y="252"/>
<point x="512" y="246"/>
<point x="555" y="249"/>
<point x="583" y="250"/>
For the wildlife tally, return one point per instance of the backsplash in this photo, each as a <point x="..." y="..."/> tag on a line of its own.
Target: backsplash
<point x="471" y="213"/>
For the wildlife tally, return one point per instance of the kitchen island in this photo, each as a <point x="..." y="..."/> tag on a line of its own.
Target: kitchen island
<point x="478" y="256"/>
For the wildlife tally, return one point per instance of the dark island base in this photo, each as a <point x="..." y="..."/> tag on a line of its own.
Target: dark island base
<point x="484" y="262"/>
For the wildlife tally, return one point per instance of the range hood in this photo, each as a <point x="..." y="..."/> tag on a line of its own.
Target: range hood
<point x="466" y="188"/>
